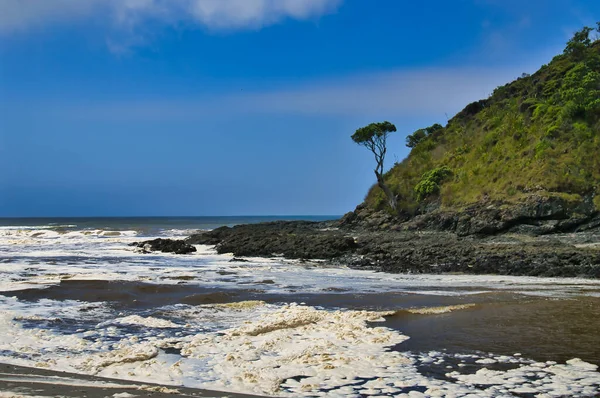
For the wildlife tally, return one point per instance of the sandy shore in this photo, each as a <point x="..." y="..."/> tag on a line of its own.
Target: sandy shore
<point x="19" y="381"/>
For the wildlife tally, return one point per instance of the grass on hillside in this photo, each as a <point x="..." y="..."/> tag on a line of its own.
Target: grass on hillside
<point x="538" y="134"/>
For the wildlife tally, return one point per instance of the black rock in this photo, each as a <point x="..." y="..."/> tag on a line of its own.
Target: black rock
<point x="165" y="246"/>
<point x="291" y="239"/>
<point x="481" y="248"/>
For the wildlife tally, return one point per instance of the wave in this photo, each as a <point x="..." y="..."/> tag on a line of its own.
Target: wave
<point x="181" y="233"/>
<point x="437" y="310"/>
<point x="53" y="233"/>
<point x="136" y="320"/>
<point x="49" y="226"/>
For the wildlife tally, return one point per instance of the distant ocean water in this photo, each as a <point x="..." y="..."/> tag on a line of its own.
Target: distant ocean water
<point x="74" y="296"/>
<point x="150" y="225"/>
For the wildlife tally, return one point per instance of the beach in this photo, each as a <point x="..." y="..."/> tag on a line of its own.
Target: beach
<point x="19" y="381"/>
<point x="76" y="297"/>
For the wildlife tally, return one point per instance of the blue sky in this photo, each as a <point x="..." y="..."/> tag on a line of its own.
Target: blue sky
<point x="240" y="107"/>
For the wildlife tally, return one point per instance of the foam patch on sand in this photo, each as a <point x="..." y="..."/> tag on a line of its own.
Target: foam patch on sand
<point x="575" y="378"/>
<point x="287" y="350"/>
<point x="8" y="394"/>
<point x="325" y="347"/>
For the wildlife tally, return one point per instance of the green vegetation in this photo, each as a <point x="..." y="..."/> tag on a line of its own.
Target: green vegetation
<point x="430" y="182"/>
<point x="539" y="134"/>
<point x="419" y="135"/>
<point x="374" y="138"/>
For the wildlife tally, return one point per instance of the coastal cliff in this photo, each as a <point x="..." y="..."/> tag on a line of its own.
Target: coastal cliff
<point x="509" y="186"/>
<point x="524" y="160"/>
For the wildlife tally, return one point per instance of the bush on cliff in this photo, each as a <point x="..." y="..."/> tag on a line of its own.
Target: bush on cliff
<point x="430" y="182"/>
<point x="538" y="135"/>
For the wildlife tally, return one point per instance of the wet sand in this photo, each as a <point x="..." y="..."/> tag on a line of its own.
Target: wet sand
<point x="17" y="381"/>
<point x="541" y="328"/>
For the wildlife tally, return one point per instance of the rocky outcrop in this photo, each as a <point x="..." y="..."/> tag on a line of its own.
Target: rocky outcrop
<point x="364" y="218"/>
<point x="438" y="252"/>
<point x="397" y="250"/>
<point x="165" y="246"/>
<point x="540" y="236"/>
<point x="538" y="215"/>
<point x="291" y="239"/>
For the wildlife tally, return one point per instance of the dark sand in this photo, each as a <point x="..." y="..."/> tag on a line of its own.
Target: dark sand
<point x="24" y="381"/>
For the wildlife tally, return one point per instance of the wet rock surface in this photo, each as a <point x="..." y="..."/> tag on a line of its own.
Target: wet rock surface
<point x="291" y="239"/>
<point x="510" y="254"/>
<point x="165" y="246"/>
<point x="537" y="215"/>
<point x="380" y="243"/>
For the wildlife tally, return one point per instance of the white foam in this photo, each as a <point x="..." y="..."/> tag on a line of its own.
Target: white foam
<point x="101" y="254"/>
<point x="141" y="321"/>
<point x="249" y="346"/>
<point x="9" y="394"/>
<point x="24" y="227"/>
<point x="179" y="233"/>
<point x="439" y="310"/>
<point x="268" y="346"/>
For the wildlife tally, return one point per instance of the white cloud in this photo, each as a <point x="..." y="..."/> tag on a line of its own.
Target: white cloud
<point x="218" y="14"/>
<point x="19" y="15"/>
<point x="399" y="93"/>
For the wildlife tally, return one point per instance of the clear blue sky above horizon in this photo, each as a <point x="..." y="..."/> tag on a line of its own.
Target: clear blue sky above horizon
<point x="231" y="107"/>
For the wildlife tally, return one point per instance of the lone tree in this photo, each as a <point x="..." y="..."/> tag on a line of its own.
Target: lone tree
<point x="373" y="137"/>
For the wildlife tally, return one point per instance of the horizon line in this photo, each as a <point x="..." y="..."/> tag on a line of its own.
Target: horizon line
<point x="189" y="216"/>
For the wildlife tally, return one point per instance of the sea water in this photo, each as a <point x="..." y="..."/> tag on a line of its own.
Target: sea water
<point x="75" y="296"/>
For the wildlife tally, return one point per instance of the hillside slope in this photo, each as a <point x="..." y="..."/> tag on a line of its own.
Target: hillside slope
<point x="530" y="151"/>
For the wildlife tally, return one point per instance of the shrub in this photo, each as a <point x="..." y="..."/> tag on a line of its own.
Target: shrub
<point x="430" y="182"/>
<point x="420" y="135"/>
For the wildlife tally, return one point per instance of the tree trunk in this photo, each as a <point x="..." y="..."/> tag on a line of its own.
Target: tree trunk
<point x="393" y="202"/>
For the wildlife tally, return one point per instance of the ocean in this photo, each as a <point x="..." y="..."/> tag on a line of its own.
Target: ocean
<point x="74" y="296"/>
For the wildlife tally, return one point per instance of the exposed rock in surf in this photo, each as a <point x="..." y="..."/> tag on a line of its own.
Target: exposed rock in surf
<point x="291" y="239"/>
<point x="397" y="250"/>
<point x="438" y="252"/>
<point x="165" y="246"/>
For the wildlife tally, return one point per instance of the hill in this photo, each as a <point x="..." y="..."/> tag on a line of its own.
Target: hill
<point x="527" y="155"/>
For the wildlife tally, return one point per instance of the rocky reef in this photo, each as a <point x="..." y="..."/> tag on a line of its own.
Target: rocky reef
<point x="290" y="239"/>
<point x="377" y="241"/>
<point x="164" y="245"/>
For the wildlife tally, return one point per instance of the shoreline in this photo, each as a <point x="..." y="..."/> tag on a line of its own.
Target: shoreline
<point x="21" y="381"/>
<point x="423" y="251"/>
<point x="431" y="325"/>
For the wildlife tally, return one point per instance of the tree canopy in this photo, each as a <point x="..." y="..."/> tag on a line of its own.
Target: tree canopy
<point x="374" y="138"/>
<point x="419" y="135"/>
